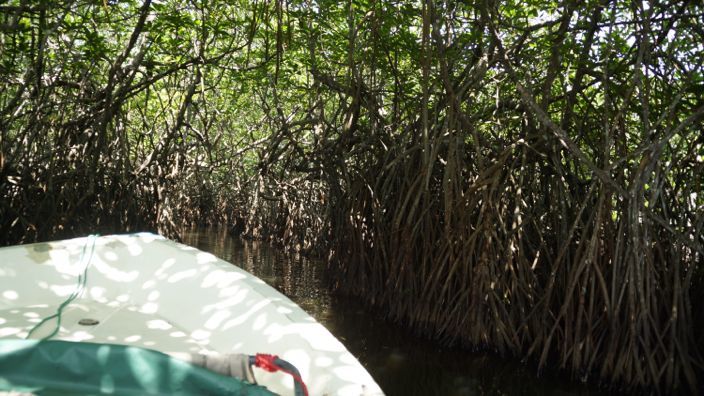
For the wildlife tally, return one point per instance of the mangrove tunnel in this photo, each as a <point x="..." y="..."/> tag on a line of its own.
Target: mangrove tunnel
<point x="524" y="177"/>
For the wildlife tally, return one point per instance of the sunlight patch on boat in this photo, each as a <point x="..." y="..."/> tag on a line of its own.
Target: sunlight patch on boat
<point x="318" y="337"/>
<point x="10" y="294"/>
<point x="81" y="336"/>
<point x="153" y="295"/>
<point x="78" y="307"/>
<point x="8" y="331"/>
<point x="204" y="258"/>
<point x="133" y="338"/>
<point x="98" y="293"/>
<point x="200" y="334"/>
<point x="221" y="279"/>
<point x="274" y="332"/>
<point x="323" y="361"/>
<point x="159" y="324"/>
<point x="352" y="390"/>
<point x="161" y="272"/>
<point x="111" y="256"/>
<point x="229" y="291"/>
<point x="302" y="359"/>
<point x="284" y="310"/>
<point x="62" y="261"/>
<point x="260" y="321"/>
<point x="134" y="249"/>
<point x="347" y="358"/>
<point x="347" y="373"/>
<point x="187" y="248"/>
<point x="245" y="316"/>
<point x="149" y="308"/>
<point x="182" y="275"/>
<point x="63" y="291"/>
<point x="230" y="302"/>
<point x="216" y="320"/>
<point x="113" y="273"/>
<point x="123" y="298"/>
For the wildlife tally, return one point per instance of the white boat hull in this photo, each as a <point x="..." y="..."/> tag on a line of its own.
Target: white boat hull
<point x="147" y="291"/>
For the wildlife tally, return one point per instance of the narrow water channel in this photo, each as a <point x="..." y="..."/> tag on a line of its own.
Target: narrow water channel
<point x="401" y="363"/>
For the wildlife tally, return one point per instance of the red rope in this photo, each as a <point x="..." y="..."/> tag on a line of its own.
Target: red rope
<point x="268" y="362"/>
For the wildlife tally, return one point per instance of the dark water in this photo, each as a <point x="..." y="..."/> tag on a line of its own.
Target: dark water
<point x="401" y="363"/>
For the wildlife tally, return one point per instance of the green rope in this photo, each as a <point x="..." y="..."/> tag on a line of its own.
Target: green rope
<point x="82" y="279"/>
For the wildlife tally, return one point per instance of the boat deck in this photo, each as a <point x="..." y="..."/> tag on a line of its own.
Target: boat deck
<point x="147" y="291"/>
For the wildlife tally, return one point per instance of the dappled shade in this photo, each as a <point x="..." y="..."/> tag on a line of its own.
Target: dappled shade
<point x="519" y="176"/>
<point x="146" y="291"/>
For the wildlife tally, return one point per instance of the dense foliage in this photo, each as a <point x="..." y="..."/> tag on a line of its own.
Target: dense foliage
<point x="521" y="176"/>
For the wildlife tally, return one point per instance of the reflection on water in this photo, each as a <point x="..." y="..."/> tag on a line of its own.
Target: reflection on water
<point x="401" y="363"/>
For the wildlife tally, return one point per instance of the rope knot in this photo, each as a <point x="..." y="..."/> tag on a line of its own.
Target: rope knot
<point x="267" y="362"/>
